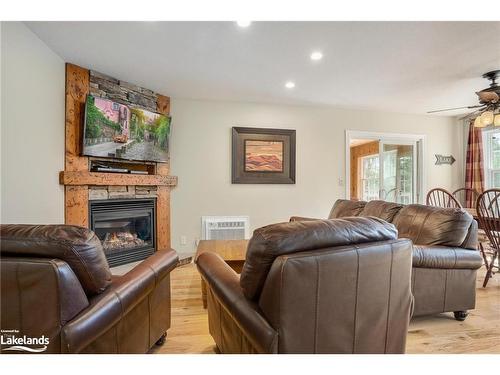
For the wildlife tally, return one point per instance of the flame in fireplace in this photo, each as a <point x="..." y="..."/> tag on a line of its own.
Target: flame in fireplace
<point x="121" y="240"/>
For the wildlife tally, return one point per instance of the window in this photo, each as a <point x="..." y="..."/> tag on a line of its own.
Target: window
<point x="406" y="168"/>
<point x="370" y="177"/>
<point x="491" y="149"/>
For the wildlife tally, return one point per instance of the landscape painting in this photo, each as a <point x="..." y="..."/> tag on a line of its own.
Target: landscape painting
<point x="118" y="131"/>
<point x="263" y="156"/>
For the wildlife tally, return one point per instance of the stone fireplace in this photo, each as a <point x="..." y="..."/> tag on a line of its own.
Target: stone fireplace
<point x="126" y="228"/>
<point x="129" y="211"/>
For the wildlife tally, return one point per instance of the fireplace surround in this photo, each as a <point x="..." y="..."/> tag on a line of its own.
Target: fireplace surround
<point x="84" y="185"/>
<point x="126" y="228"/>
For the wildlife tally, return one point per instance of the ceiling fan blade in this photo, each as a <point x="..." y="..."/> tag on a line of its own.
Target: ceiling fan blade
<point x="452" y="109"/>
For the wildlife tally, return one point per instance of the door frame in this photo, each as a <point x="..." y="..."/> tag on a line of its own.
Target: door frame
<point x="419" y="139"/>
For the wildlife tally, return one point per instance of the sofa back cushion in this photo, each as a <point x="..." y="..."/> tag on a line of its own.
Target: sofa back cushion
<point x="78" y="247"/>
<point x="275" y="240"/>
<point x="427" y="225"/>
<point x="381" y="209"/>
<point x="346" y="207"/>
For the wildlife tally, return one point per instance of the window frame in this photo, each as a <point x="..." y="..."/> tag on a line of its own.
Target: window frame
<point x="489" y="171"/>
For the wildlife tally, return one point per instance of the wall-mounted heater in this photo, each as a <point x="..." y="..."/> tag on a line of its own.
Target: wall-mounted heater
<point x="225" y="227"/>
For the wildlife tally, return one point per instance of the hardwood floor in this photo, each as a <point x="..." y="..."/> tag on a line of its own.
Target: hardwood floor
<point x="479" y="333"/>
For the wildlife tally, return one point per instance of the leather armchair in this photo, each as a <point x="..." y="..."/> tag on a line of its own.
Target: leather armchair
<point x="56" y="282"/>
<point x="323" y="286"/>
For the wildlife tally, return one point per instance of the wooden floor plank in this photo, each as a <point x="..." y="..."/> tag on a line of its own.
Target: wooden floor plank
<point x="479" y="333"/>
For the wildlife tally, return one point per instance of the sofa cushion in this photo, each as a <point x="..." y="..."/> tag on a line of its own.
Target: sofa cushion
<point x="346" y="207"/>
<point x="381" y="209"/>
<point x="77" y="246"/>
<point x="427" y="225"/>
<point x="275" y="240"/>
<point x="445" y="257"/>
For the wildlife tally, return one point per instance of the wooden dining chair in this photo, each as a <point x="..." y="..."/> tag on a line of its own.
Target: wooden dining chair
<point x="439" y="197"/>
<point x="467" y="197"/>
<point x="488" y="213"/>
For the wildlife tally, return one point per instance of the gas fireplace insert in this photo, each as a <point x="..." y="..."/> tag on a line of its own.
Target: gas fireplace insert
<point x="126" y="228"/>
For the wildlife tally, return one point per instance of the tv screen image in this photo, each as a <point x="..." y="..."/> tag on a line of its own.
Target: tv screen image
<point x="115" y="130"/>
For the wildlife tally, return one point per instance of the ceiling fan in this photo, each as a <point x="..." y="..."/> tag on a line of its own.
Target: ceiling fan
<point x="487" y="112"/>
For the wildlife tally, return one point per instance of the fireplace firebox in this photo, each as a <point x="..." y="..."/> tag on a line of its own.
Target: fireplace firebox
<point x="126" y="228"/>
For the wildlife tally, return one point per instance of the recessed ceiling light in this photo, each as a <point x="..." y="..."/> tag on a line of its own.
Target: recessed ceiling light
<point x="290" y="85"/>
<point x="243" y="23"/>
<point x="316" y="55"/>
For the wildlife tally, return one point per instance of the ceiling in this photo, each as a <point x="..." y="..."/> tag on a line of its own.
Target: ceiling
<point x="409" y="67"/>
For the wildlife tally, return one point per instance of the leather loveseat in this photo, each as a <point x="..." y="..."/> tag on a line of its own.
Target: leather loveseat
<point x="323" y="286"/>
<point x="56" y="284"/>
<point x="445" y="256"/>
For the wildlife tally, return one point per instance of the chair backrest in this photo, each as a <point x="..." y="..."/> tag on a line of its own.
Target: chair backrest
<point x="77" y="246"/>
<point x="39" y="296"/>
<point x="424" y="225"/>
<point x="433" y="226"/>
<point x="466" y="197"/>
<point x="439" y="197"/>
<point x="346" y="299"/>
<point x="488" y="213"/>
<point x="346" y="207"/>
<point x="272" y="241"/>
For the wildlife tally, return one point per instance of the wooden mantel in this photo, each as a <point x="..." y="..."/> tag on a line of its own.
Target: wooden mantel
<point x="76" y="176"/>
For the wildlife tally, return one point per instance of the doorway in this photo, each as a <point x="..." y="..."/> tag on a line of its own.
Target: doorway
<point x="384" y="166"/>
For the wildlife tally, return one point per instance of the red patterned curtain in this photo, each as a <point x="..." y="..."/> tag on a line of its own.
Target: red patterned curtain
<point x="474" y="172"/>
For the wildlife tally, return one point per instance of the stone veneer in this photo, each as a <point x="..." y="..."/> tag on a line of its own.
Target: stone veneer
<point x="121" y="192"/>
<point x="107" y="87"/>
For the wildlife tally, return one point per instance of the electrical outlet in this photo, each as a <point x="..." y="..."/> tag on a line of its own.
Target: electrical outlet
<point x="183" y="240"/>
<point x="341" y="181"/>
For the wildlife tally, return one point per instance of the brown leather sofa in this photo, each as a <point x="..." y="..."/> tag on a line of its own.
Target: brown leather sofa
<point x="56" y="283"/>
<point x="445" y="256"/>
<point x="323" y="286"/>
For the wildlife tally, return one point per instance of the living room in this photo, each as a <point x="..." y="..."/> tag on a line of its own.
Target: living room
<point x="235" y="187"/>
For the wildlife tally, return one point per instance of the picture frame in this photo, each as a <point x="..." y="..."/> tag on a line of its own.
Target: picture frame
<point x="263" y="156"/>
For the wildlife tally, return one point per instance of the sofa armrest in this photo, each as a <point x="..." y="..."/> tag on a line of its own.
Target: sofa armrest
<point x="125" y="292"/>
<point x="225" y="284"/>
<point x="161" y="263"/>
<point x="302" y="218"/>
<point x="471" y="240"/>
<point x="136" y="284"/>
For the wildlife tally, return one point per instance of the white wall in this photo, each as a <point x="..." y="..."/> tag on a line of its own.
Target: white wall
<point x="201" y="157"/>
<point x="32" y="128"/>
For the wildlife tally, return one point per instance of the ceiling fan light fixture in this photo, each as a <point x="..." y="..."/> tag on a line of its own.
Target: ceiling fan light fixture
<point x="487" y="118"/>
<point x="478" y="123"/>
<point x="496" y="122"/>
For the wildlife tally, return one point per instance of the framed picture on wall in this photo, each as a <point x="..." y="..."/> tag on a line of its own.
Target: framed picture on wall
<point x="263" y="156"/>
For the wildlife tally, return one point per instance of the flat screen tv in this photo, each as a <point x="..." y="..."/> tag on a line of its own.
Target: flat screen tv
<point x="114" y="130"/>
